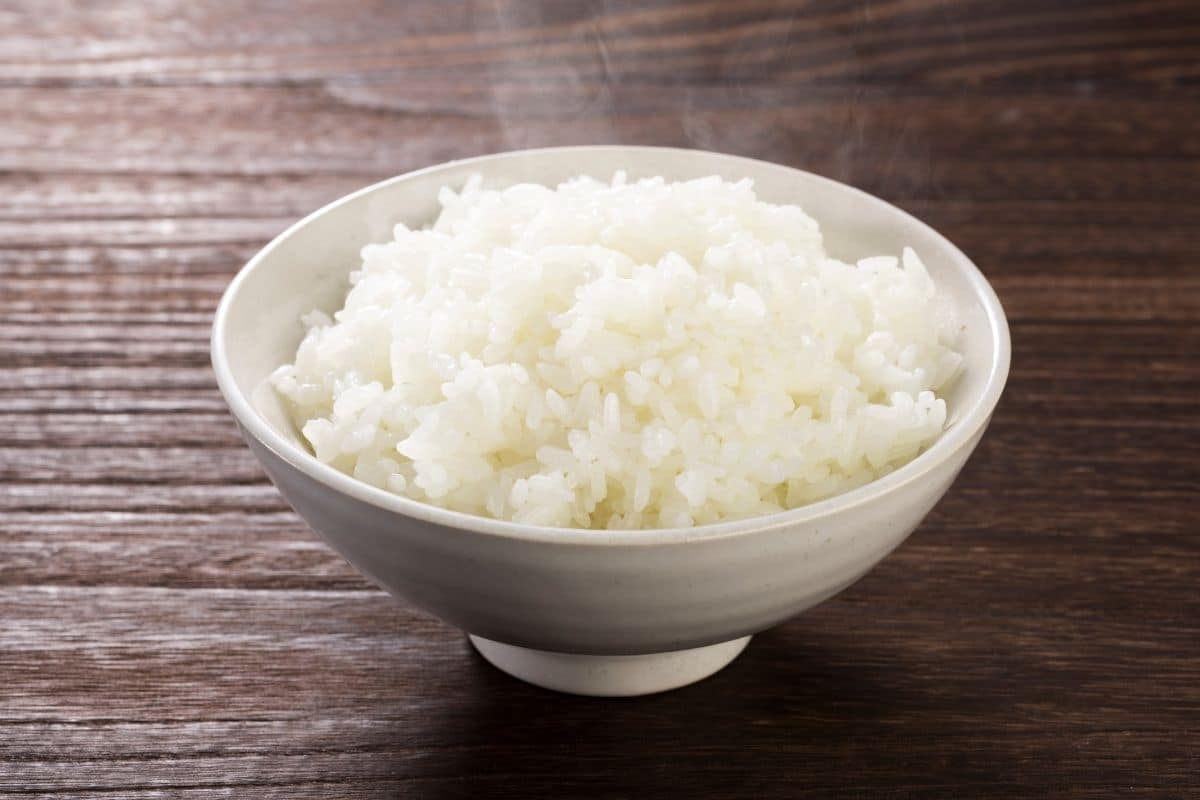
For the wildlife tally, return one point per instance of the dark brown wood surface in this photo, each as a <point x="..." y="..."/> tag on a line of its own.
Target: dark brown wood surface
<point x="169" y="628"/>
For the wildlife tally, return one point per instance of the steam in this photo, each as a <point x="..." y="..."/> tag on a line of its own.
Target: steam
<point x="532" y="82"/>
<point x="777" y="83"/>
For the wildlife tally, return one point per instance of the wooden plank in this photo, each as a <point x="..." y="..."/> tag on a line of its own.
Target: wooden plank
<point x="251" y="499"/>
<point x="168" y="548"/>
<point x="145" y="465"/>
<point x="103" y="379"/>
<point x="370" y="629"/>
<point x="849" y="133"/>
<point x="204" y="398"/>
<point x="124" y="430"/>
<point x="35" y="197"/>
<point x="184" y="712"/>
<point x="172" y="43"/>
<point x="91" y="197"/>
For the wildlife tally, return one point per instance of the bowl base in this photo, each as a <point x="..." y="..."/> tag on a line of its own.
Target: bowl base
<point x="609" y="676"/>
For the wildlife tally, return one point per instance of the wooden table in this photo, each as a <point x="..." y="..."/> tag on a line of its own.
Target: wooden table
<point x="169" y="628"/>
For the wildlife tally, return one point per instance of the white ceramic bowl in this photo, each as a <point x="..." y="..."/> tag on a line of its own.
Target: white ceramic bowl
<point x="594" y="612"/>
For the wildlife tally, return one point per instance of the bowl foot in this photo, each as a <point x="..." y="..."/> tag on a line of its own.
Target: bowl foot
<point x="609" y="676"/>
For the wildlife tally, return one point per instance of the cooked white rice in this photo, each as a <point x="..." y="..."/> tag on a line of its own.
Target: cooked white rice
<point x="622" y="355"/>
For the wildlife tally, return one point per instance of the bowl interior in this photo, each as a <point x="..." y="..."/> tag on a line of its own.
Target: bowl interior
<point x="308" y="265"/>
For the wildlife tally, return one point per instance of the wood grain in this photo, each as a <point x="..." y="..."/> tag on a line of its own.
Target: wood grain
<point x="171" y="629"/>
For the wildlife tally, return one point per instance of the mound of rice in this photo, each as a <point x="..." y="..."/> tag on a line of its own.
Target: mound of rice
<point x="622" y="355"/>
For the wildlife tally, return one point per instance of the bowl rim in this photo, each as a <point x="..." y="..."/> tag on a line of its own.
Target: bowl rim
<point x="951" y="440"/>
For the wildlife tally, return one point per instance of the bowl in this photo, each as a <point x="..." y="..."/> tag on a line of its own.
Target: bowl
<point x="594" y="612"/>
